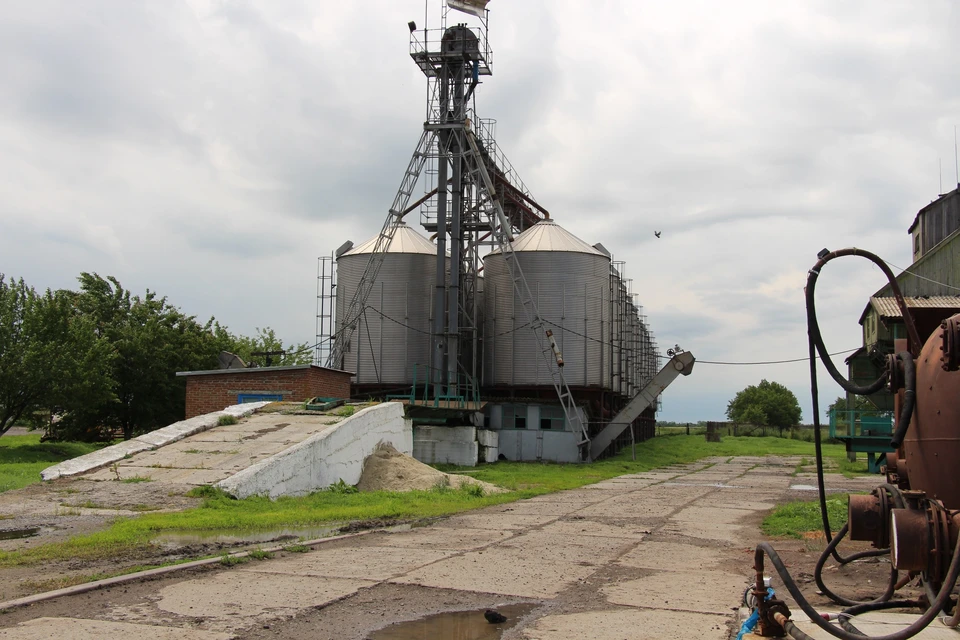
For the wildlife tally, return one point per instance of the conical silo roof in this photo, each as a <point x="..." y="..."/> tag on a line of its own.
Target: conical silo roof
<point x="547" y="235"/>
<point x="405" y="240"/>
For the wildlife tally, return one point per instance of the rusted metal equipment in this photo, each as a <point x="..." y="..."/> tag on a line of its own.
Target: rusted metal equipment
<point x="915" y="515"/>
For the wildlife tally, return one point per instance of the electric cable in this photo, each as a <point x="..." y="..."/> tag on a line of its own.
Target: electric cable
<point x="917" y="275"/>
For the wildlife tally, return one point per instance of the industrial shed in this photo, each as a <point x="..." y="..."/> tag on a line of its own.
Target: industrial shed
<point x="218" y="388"/>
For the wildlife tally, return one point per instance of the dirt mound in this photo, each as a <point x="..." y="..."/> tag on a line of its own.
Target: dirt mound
<point x="386" y="469"/>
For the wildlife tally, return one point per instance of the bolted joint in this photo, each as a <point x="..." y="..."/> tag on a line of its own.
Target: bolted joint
<point x="950" y="343"/>
<point x="923" y="538"/>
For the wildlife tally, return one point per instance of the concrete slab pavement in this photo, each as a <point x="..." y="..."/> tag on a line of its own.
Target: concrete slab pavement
<point x="661" y="560"/>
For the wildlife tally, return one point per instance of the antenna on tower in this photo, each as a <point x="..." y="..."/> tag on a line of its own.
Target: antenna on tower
<point x="956" y="161"/>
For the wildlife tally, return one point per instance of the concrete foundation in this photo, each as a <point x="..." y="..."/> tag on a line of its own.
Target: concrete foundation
<point x="334" y="454"/>
<point x="147" y="442"/>
<point x="446" y="445"/>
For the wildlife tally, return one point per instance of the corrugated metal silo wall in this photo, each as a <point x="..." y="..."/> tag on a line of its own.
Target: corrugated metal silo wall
<point x="572" y="292"/>
<point x="394" y="331"/>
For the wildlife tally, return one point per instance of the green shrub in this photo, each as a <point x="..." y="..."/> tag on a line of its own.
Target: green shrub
<point x="223" y="421"/>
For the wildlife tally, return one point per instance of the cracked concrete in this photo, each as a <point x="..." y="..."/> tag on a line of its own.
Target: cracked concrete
<point x="658" y="555"/>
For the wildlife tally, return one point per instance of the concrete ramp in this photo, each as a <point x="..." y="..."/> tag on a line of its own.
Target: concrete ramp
<point x="270" y="454"/>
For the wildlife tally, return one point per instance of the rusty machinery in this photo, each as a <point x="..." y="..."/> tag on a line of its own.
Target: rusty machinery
<point x="915" y="515"/>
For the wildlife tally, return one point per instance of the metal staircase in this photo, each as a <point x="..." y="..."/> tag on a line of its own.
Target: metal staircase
<point x="358" y="303"/>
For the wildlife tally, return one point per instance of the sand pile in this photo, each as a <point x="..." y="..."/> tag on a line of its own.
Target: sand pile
<point x="386" y="469"/>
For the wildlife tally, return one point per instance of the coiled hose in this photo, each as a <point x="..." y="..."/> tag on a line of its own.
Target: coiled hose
<point x="913" y="629"/>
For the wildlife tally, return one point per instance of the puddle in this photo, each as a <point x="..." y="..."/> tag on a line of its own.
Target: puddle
<point x="16" y="534"/>
<point x="811" y="487"/>
<point x="456" y="625"/>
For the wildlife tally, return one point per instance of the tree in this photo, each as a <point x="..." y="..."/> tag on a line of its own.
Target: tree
<point x="768" y="404"/>
<point x="860" y="404"/>
<point x="50" y="357"/>
<point x="265" y="340"/>
<point x="150" y="340"/>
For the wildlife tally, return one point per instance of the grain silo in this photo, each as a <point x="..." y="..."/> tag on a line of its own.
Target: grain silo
<point x="569" y="281"/>
<point x="393" y="333"/>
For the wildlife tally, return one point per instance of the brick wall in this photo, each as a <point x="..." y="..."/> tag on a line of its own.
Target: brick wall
<point x="213" y="392"/>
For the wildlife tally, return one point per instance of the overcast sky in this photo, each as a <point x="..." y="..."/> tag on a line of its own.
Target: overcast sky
<point x="211" y="150"/>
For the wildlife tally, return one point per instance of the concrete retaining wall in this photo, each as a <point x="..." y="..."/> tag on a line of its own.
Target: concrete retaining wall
<point x="446" y="445"/>
<point x="323" y="459"/>
<point x="146" y="442"/>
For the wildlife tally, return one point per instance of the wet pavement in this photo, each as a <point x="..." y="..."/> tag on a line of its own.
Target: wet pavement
<point x="665" y="554"/>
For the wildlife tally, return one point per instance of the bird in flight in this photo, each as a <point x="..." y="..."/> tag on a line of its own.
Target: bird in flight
<point x="656" y="233"/>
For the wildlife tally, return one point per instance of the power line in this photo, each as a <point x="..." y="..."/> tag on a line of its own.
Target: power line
<point x="804" y="359"/>
<point x="917" y="275"/>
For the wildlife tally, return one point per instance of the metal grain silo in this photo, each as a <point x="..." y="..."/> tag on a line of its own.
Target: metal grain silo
<point x="394" y="330"/>
<point x="569" y="281"/>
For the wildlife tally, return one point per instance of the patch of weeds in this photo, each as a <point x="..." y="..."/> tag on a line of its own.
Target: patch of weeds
<point x="144" y="507"/>
<point x="345" y="411"/>
<point x="794" y="519"/>
<point x="800" y="465"/>
<point x="342" y="487"/>
<point x="229" y="561"/>
<point x="67" y="492"/>
<point x="90" y="504"/>
<point x="260" y="554"/>
<point x="297" y="548"/>
<point x="137" y="479"/>
<point x="226" y="420"/>
<point x="442" y="485"/>
<point x="473" y="490"/>
<point x="208" y="491"/>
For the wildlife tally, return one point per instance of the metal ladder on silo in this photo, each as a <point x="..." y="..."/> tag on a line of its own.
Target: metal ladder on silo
<point x="500" y="229"/>
<point x="358" y="303"/>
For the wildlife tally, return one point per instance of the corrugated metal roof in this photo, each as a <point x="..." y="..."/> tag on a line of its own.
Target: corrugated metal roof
<point x="405" y="240"/>
<point x="888" y="308"/>
<point x="547" y="235"/>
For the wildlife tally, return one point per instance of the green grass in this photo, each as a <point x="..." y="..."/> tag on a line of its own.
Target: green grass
<point x="220" y="512"/>
<point x="226" y="420"/>
<point x="794" y="519"/>
<point x="22" y="458"/>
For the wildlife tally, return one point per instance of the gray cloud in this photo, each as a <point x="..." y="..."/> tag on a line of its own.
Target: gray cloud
<point x="208" y="149"/>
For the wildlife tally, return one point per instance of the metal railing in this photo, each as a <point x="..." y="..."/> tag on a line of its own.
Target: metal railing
<point x="464" y="394"/>
<point x="856" y="423"/>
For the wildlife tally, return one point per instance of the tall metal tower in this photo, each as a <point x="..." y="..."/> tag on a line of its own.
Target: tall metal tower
<point x="474" y="202"/>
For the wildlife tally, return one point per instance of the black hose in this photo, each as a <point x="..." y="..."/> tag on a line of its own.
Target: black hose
<point x="909" y="398"/>
<point x="813" y="328"/>
<point x="847" y="614"/>
<point x="916" y="627"/>
<point x="818" y="572"/>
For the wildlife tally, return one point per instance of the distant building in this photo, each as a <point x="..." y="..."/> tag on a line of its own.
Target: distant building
<point x="930" y="286"/>
<point x="219" y="388"/>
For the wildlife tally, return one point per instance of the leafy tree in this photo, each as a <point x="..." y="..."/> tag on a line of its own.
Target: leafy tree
<point x="265" y="340"/>
<point x="860" y="404"/>
<point x="768" y="404"/>
<point x="151" y="340"/>
<point x="50" y="357"/>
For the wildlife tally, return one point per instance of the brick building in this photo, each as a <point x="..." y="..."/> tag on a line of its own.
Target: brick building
<point x="219" y="388"/>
